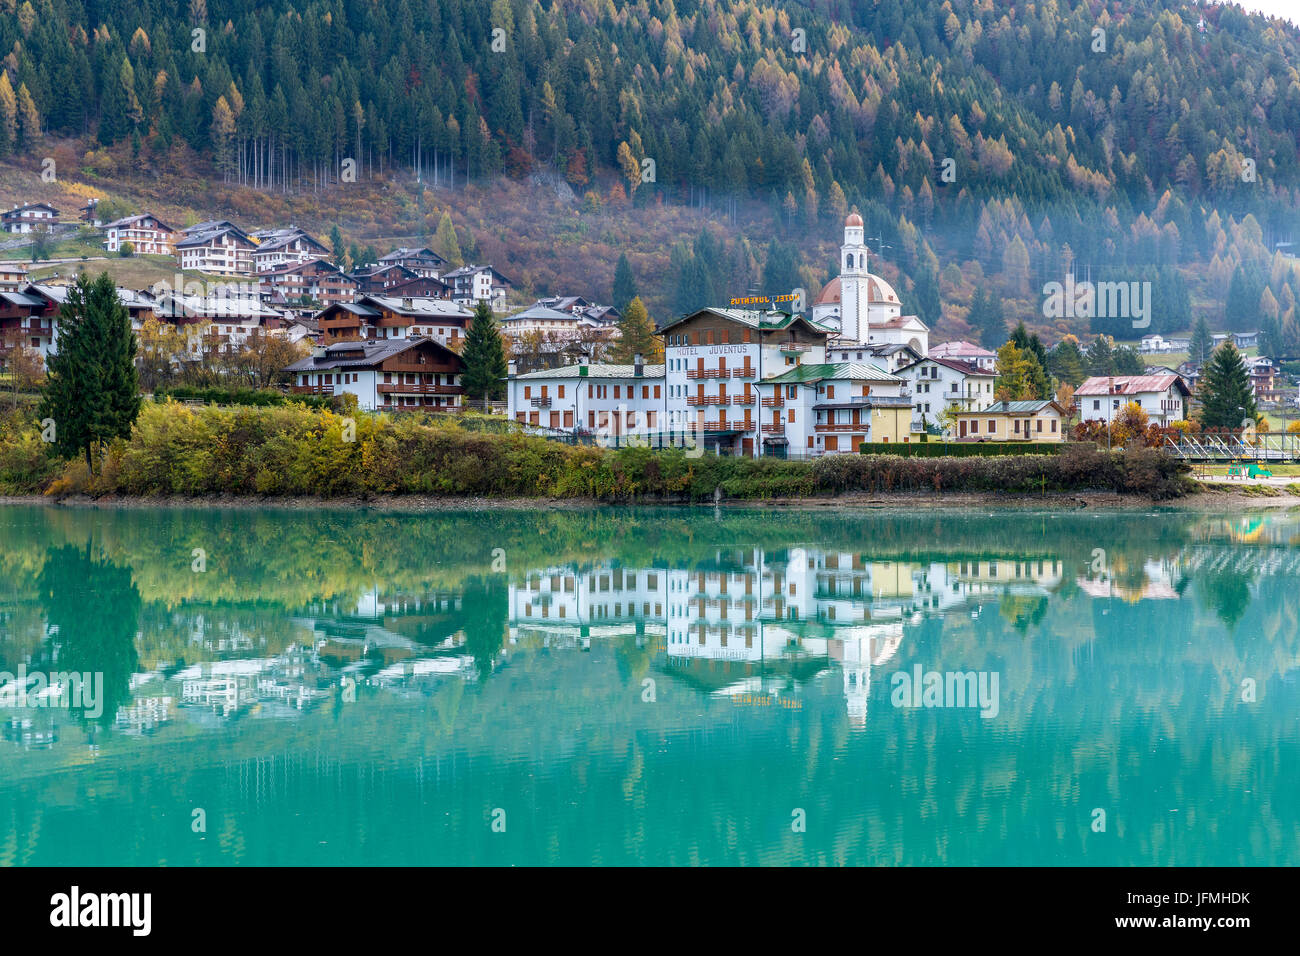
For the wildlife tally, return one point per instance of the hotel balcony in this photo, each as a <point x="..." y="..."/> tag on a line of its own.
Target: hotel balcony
<point x="742" y="373"/>
<point x="774" y="428"/>
<point x="713" y="373"/>
<point x="774" y="402"/>
<point x="742" y="399"/>
<point x="397" y="388"/>
<point x="706" y="400"/>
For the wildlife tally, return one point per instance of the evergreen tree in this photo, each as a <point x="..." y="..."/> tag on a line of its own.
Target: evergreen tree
<point x="1202" y="342"/>
<point x="1226" y="398"/>
<point x="1101" y="356"/>
<point x="485" y="357"/>
<point x="92" y="392"/>
<point x="1066" y="362"/>
<point x="925" y="291"/>
<point x="985" y="318"/>
<point x="637" y="335"/>
<point x="624" y="284"/>
<point x="1128" y="361"/>
<point x="337" y="246"/>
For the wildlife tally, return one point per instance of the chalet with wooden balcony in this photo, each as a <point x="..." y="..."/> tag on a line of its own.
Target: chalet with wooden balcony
<point x="393" y="317"/>
<point x="422" y="261"/>
<point x="277" y="248"/>
<point x="714" y="359"/>
<point x="28" y="218"/>
<point x="30" y="317"/>
<point x="378" y="279"/>
<point x="148" y="235"/>
<point x="221" y="249"/>
<point x="316" y="281"/>
<point x="407" y="374"/>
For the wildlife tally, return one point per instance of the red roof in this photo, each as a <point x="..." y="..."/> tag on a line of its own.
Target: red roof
<point x="1128" y="384"/>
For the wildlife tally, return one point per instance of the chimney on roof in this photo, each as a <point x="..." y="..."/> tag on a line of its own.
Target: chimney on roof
<point x="584" y="359"/>
<point x="408" y="302"/>
<point x="512" y="368"/>
<point x="638" y="365"/>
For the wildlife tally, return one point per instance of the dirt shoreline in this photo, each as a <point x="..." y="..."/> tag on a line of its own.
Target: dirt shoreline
<point x="1209" y="499"/>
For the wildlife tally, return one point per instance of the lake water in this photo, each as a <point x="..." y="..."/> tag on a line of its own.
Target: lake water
<point x="649" y="686"/>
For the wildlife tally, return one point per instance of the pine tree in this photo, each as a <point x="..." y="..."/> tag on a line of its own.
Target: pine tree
<point x="1101" y="357"/>
<point x="1226" y="398"/>
<point x="92" y="391"/>
<point x="624" y="284"/>
<point x="485" y="358"/>
<point x="986" y="318"/>
<point x="636" y="335"/>
<point x="1066" y="362"/>
<point x="1202" y="342"/>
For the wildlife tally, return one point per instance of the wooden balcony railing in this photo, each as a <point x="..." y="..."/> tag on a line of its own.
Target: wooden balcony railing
<point x="742" y="373"/>
<point x="706" y="400"/>
<point x="707" y="373"/>
<point x="774" y="428"/>
<point x="313" y="389"/>
<point x="397" y="388"/>
<point x="543" y="402"/>
<point x="838" y="427"/>
<point x="774" y="402"/>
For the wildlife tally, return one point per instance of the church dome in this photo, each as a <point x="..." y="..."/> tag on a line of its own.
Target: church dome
<point x="853" y="220"/>
<point x="878" y="291"/>
<point x="830" y="293"/>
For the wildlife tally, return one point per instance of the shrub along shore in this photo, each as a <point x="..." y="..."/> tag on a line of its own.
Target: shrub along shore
<point x="293" y="450"/>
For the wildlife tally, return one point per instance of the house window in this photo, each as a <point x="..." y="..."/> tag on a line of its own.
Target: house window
<point x="1039" y="427"/>
<point x="974" y="426"/>
<point x="1016" y="429"/>
<point x="561" y="391"/>
<point x="993" y="426"/>
<point x="528" y="389"/>
<point x="830" y="391"/>
<point x="1053" y="424"/>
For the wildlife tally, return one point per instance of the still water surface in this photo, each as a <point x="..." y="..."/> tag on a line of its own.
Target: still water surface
<point x="652" y="686"/>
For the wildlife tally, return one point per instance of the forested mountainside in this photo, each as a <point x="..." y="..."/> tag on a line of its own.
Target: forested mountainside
<point x="986" y="142"/>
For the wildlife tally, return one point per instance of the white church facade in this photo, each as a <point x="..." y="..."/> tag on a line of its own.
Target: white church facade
<point x="863" y="308"/>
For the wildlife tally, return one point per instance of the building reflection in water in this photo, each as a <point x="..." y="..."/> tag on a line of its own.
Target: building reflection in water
<point x="754" y="626"/>
<point x="748" y="625"/>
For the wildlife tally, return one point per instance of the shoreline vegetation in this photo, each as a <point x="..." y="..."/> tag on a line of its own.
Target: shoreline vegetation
<point x="292" y="451"/>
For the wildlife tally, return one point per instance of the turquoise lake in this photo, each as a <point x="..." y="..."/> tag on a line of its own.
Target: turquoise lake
<point x="644" y="686"/>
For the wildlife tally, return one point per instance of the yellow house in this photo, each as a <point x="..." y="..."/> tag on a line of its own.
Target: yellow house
<point x="1035" y="421"/>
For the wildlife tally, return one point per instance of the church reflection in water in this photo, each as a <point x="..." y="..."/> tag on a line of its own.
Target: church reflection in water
<point x="753" y="626"/>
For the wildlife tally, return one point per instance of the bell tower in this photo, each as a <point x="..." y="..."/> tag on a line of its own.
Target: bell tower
<point x="853" y="281"/>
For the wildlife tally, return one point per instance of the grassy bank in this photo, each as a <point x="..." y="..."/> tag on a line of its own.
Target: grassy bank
<point x="292" y="451"/>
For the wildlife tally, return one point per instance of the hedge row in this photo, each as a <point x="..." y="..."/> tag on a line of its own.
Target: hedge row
<point x="256" y="397"/>
<point x="942" y="449"/>
<point x="291" y="450"/>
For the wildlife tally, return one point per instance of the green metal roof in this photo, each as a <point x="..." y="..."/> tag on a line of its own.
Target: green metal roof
<point x="765" y="320"/>
<point x="809" y="374"/>
<point x="1014" y="408"/>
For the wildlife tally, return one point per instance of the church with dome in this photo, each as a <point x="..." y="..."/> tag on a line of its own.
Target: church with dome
<point x="862" y="308"/>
